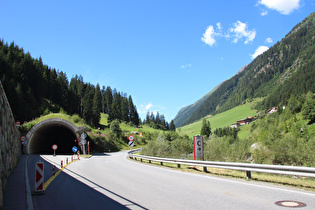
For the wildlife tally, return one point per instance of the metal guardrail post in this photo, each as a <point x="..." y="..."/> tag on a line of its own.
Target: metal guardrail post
<point x="248" y="175"/>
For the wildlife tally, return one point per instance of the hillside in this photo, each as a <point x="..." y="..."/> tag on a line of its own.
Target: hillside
<point x="34" y="89"/>
<point x="286" y="69"/>
<point x="187" y="111"/>
<point x="224" y="119"/>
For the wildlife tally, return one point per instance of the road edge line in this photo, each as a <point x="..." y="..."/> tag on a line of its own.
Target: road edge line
<point x="47" y="183"/>
<point x="29" y="201"/>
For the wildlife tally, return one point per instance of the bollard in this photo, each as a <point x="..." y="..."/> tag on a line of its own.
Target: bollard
<point x="248" y="175"/>
<point x="71" y="158"/>
<point x="61" y="164"/>
<point x="39" y="178"/>
<point x="53" y="170"/>
<point x="66" y="161"/>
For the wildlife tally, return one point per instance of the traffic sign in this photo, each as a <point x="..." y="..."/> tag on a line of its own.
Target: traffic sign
<point x="83" y="135"/>
<point x="39" y="177"/>
<point x="131" y="138"/>
<point x="54" y="147"/>
<point x="198" y="147"/>
<point x="131" y="143"/>
<point x="83" y="141"/>
<point x="74" y="149"/>
<point x="18" y="123"/>
<point x="23" y="138"/>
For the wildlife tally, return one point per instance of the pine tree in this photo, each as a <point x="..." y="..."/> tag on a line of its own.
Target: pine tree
<point x="205" y="128"/>
<point x="172" y="126"/>
<point x="97" y="106"/>
<point x="133" y="114"/>
<point x="308" y="110"/>
<point x="124" y="109"/>
<point x="109" y="100"/>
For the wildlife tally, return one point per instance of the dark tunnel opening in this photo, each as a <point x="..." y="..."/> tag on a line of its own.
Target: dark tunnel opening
<point x="49" y="135"/>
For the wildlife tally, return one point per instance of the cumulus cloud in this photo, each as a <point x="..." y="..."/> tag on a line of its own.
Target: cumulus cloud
<point x="208" y="36"/>
<point x="260" y="50"/>
<point x="240" y="30"/>
<point x="237" y="32"/>
<point x="285" y="7"/>
<point x="148" y="106"/>
<point x="268" y="40"/>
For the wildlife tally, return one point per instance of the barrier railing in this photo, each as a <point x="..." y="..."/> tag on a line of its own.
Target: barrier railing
<point x="248" y="167"/>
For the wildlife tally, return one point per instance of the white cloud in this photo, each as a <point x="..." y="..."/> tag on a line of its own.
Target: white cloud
<point x="264" y="12"/>
<point x="219" y="26"/>
<point x="258" y="51"/>
<point x="240" y="30"/>
<point x="268" y="40"/>
<point x="148" y="106"/>
<point x="285" y="7"/>
<point x="185" y="66"/>
<point x="208" y="36"/>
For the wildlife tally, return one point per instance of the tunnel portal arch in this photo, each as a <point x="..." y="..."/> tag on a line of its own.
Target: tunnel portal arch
<point x="52" y="131"/>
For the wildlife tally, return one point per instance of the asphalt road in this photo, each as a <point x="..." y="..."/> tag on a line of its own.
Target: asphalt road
<point x="111" y="181"/>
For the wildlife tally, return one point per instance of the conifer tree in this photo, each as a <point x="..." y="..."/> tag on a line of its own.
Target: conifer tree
<point x="205" y="128"/>
<point x="97" y="106"/>
<point x="172" y="126"/>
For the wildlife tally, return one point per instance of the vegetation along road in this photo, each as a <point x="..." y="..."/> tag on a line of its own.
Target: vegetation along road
<point x="111" y="181"/>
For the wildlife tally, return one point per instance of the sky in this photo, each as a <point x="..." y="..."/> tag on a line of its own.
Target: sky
<point x="166" y="54"/>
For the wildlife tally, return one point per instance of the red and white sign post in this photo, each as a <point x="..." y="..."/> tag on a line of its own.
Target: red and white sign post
<point x="54" y="147"/>
<point x="39" y="177"/>
<point x="131" y="142"/>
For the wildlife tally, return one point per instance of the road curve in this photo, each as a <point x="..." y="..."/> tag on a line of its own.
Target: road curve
<point x="111" y="181"/>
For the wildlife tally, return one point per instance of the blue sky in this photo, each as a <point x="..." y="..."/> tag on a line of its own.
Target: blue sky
<point x="165" y="54"/>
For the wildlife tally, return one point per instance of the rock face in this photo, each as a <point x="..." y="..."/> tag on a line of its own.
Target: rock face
<point x="10" y="145"/>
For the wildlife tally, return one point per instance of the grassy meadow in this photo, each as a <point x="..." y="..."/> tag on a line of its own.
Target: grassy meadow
<point x="221" y="120"/>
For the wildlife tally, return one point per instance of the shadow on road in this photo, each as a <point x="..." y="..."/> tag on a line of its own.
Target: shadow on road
<point x="66" y="192"/>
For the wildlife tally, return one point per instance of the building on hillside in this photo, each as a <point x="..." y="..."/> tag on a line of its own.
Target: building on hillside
<point x="234" y="126"/>
<point x="245" y="121"/>
<point x="272" y="110"/>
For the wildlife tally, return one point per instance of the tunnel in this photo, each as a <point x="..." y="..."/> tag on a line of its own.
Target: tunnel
<point x="52" y="131"/>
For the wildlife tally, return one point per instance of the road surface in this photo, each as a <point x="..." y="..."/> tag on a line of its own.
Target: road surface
<point x="111" y="181"/>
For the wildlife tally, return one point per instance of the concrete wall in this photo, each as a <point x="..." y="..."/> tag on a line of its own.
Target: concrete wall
<point x="10" y="145"/>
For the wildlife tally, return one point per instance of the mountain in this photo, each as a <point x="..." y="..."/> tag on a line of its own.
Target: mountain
<point x="187" y="111"/>
<point x="287" y="69"/>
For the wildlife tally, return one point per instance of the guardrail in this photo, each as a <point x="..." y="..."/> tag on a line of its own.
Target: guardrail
<point x="248" y="167"/>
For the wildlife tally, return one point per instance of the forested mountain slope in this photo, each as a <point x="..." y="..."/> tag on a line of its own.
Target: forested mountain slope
<point x="34" y="89"/>
<point x="286" y="69"/>
<point x="187" y="111"/>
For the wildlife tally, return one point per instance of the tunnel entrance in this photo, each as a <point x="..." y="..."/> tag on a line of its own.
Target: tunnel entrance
<point x="57" y="134"/>
<point x="52" y="131"/>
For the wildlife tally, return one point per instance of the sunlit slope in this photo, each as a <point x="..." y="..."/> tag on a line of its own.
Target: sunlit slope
<point x="221" y="120"/>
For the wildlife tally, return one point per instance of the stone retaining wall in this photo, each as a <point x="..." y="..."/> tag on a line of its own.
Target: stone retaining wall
<point x="10" y="145"/>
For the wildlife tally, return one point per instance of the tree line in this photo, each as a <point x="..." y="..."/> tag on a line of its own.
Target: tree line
<point x="158" y="121"/>
<point x="34" y="88"/>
